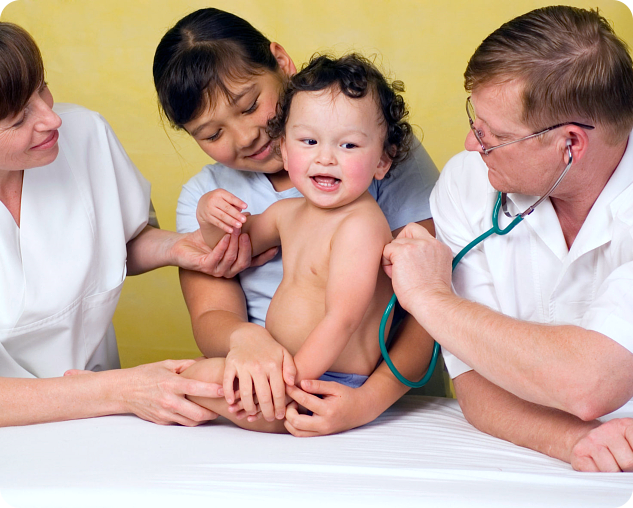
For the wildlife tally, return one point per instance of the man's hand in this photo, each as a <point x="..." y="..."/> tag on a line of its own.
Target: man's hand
<point x="607" y="448"/>
<point x="417" y="263"/>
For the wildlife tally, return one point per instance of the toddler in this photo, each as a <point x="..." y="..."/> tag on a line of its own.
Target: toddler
<point x="341" y="125"/>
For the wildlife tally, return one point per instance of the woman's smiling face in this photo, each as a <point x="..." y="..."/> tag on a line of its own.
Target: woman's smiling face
<point x="29" y="139"/>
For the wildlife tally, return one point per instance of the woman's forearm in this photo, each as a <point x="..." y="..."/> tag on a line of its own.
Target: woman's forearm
<point x="150" y="249"/>
<point x="28" y="401"/>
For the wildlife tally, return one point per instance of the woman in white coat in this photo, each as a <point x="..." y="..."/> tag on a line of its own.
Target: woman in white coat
<point x="73" y="222"/>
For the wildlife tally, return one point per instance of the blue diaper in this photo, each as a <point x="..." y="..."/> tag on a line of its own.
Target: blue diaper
<point x="351" y="380"/>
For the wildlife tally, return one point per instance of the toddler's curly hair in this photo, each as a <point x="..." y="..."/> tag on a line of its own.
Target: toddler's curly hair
<point x="355" y="76"/>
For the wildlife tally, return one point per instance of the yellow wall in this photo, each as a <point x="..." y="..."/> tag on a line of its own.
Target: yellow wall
<point x="99" y="53"/>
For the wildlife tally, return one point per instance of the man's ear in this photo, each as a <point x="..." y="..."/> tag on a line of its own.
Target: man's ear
<point x="284" y="61"/>
<point x="577" y="139"/>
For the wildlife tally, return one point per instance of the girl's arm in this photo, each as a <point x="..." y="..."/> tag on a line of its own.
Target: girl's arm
<point x="220" y="326"/>
<point x="337" y="408"/>
<point x="353" y="269"/>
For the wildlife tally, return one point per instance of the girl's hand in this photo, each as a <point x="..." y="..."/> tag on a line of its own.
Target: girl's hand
<point x="262" y="367"/>
<point x="338" y="409"/>
<point x="221" y="209"/>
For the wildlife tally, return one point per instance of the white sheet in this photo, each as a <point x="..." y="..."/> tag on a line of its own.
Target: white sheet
<point x="421" y="452"/>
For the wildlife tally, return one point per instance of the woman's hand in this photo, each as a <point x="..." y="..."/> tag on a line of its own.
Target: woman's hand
<point x="229" y="257"/>
<point x="340" y="408"/>
<point x="156" y="393"/>
<point x="607" y="448"/>
<point x="263" y="368"/>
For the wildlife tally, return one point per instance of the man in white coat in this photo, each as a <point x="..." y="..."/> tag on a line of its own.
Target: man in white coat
<point x="538" y="332"/>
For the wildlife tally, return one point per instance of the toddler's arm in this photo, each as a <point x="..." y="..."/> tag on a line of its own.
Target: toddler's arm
<point x="219" y="212"/>
<point x="354" y="263"/>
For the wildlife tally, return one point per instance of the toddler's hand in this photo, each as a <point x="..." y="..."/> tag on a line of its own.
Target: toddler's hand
<point x="221" y="209"/>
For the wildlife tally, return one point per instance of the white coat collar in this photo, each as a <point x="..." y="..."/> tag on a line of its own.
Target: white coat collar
<point x="615" y="198"/>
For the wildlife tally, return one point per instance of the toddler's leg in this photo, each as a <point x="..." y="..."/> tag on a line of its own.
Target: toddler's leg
<point x="211" y="370"/>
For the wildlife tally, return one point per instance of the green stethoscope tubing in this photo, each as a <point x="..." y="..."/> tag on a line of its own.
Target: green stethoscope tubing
<point x="495" y="229"/>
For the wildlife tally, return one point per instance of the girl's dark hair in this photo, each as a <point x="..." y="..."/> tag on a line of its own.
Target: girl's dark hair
<point x="21" y="69"/>
<point x="203" y="52"/>
<point x="355" y="76"/>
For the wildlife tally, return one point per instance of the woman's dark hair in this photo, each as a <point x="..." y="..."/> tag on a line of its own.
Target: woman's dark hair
<point x="355" y="76"/>
<point x="203" y="52"/>
<point x="21" y="69"/>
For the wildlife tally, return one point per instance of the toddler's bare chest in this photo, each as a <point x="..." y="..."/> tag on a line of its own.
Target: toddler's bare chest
<point x="306" y="255"/>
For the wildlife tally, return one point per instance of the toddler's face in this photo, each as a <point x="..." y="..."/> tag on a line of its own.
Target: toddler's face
<point x="333" y="146"/>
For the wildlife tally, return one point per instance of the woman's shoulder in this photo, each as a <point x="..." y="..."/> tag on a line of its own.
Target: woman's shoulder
<point x="82" y="126"/>
<point x="77" y="117"/>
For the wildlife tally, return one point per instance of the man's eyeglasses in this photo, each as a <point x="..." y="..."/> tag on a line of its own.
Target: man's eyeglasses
<point x="470" y="111"/>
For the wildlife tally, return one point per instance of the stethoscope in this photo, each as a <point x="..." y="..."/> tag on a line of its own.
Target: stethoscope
<point x="501" y="204"/>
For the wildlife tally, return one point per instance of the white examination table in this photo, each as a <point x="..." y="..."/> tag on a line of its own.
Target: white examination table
<point x="421" y="452"/>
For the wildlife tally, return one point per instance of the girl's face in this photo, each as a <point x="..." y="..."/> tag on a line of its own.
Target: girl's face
<point x="334" y="146"/>
<point x="233" y="132"/>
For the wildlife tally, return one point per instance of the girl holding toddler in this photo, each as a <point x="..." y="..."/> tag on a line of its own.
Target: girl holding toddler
<point x="220" y="80"/>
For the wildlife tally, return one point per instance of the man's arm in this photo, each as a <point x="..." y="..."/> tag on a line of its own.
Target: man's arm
<point x="578" y="371"/>
<point x="588" y="446"/>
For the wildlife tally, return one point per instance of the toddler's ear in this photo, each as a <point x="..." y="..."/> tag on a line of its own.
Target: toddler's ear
<point x="383" y="166"/>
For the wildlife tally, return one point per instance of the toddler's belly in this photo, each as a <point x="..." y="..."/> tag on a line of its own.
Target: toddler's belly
<point x="292" y="315"/>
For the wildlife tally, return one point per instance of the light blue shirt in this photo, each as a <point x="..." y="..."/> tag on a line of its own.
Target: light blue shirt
<point x="403" y="198"/>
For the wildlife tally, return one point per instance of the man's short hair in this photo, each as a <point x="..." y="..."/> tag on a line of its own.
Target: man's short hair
<point x="572" y="66"/>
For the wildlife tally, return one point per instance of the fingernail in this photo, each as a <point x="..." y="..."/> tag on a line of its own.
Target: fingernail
<point x="221" y="392"/>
